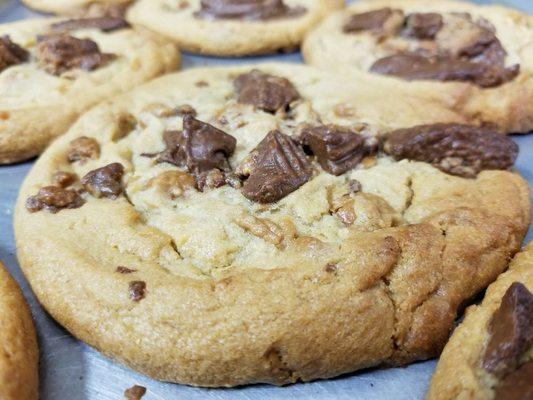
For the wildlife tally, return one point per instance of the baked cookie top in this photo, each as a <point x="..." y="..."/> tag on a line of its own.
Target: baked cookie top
<point x="80" y="7"/>
<point x="232" y="27"/>
<point x="490" y="355"/>
<point x="236" y="205"/>
<point x="52" y="70"/>
<point x="19" y="357"/>
<point x="441" y="41"/>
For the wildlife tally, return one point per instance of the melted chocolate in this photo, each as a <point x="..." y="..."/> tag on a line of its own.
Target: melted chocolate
<point x="246" y="9"/>
<point x="105" y="24"/>
<point x="455" y="149"/>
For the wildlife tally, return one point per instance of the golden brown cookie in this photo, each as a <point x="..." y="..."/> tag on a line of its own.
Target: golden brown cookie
<point x="476" y="59"/>
<point x="232" y="28"/>
<point x="490" y="354"/>
<point x="19" y="357"/>
<point x="53" y="70"/>
<point x="225" y="226"/>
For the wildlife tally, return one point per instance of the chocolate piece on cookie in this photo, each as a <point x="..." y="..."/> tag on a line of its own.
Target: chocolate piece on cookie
<point x="105" y="181"/>
<point x="11" y="53"/>
<point x="336" y="148"/>
<point x="105" y="24"/>
<point x="274" y="169"/>
<point x="54" y="199"/>
<point x="60" y="53"/>
<point x="246" y="9"/>
<point x="266" y="92"/>
<point x="511" y="331"/>
<point x="199" y="147"/>
<point x="455" y="149"/>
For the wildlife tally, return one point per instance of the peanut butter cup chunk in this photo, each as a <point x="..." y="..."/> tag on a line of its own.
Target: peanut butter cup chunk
<point x="266" y="92"/>
<point x="11" y="53"/>
<point x="60" y="53"/>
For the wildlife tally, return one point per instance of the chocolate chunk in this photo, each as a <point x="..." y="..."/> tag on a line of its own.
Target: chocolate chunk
<point x="54" y="199"/>
<point x="137" y="290"/>
<point x="246" y="9"/>
<point x="64" y="179"/>
<point x="60" y="53"/>
<point x="136" y="392"/>
<point x="411" y="66"/>
<point x="11" y="53"/>
<point x="337" y="149"/>
<point x="369" y="21"/>
<point x="518" y="385"/>
<point x="511" y="331"/>
<point x="275" y="168"/>
<point x="266" y="92"/>
<point x="125" y="270"/>
<point x="453" y="148"/>
<point x="467" y="51"/>
<point x="105" y="24"/>
<point x="200" y="147"/>
<point x="105" y="181"/>
<point x="423" y="25"/>
<point x="83" y="148"/>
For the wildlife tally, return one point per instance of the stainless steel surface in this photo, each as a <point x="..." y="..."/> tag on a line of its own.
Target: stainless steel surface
<point x="70" y="370"/>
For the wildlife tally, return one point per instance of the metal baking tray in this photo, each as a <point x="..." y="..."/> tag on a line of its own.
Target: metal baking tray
<point x="71" y="370"/>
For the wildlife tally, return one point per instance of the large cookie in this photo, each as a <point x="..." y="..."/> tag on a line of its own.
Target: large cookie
<point x="19" y="357"/>
<point x="51" y="71"/>
<point x="77" y="7"/>
<point x="246" y="227"/>
<point x="490" y="355"/>
<point x="477" y="59"/>
<point x="232" y="27"/>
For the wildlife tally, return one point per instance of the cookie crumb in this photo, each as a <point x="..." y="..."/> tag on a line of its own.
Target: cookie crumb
<point x="135" y="392"/>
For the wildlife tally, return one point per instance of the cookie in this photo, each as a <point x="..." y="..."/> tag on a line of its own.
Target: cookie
<point x="477" y="59"/>
<point x="53" y="70"/>
<point x="95" y="8"/>
<point x="490" y="354"/>
<point x="246" y="227"/>
<point x="232" y="27"/>
<point x="20" y="356"/>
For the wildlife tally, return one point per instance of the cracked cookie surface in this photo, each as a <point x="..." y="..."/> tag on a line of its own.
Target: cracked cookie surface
<point x="19" y="355"/>
<point x="490" y="354"/>
<point x="232" y="27"/>
<point x="220" y="239"/>
<point x="52" y="72"/>
<point x="476" y="59"/>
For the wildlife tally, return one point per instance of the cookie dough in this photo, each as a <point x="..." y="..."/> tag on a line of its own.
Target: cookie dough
<point x="52" y="71"/>
<point x="19" y="357"/>
<point x="477" y="59"/>
<point x="232" y="27"/>
<point x="490" y="354"/>
<point x="245" y="227"/>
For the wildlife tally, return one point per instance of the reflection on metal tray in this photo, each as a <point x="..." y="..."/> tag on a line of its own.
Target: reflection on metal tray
<point x="71" y="370"/>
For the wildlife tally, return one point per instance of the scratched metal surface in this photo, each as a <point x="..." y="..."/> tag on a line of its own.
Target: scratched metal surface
<point x="72" y="370"/>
